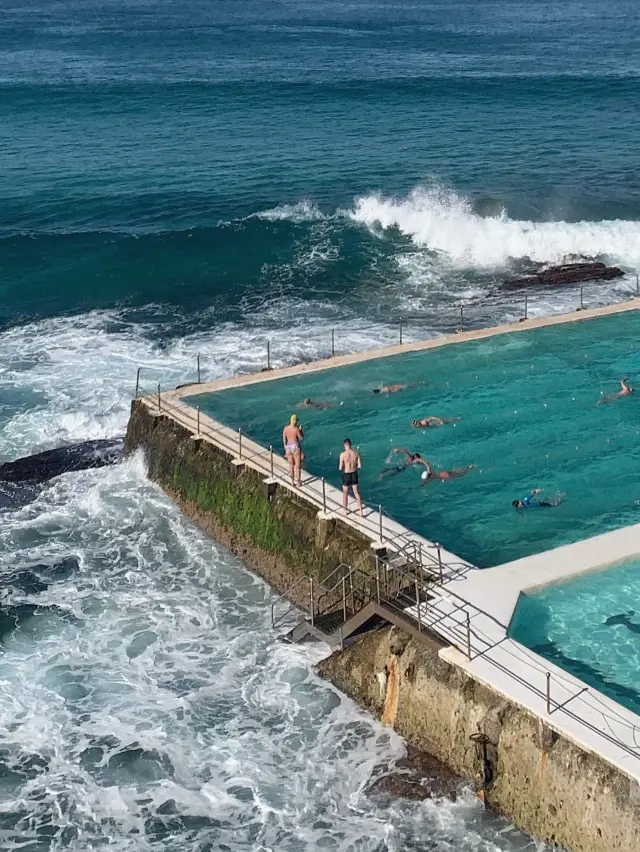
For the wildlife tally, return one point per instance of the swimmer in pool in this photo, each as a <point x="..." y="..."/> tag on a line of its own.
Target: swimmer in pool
<point x="390" y="388"/>
<point x="625" y="390"/>
<point x="429" y="422"/>
<point x="411" y="459"/>
<point x="311" y="403"/>
<point x="444" y="475"/>
<point x="532" y="501"/>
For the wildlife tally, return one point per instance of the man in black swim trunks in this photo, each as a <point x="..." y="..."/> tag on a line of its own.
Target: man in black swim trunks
<point x="349" y="464"/>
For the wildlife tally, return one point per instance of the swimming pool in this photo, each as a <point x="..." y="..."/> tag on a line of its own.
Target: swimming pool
<point x="527" y="414"/>
<point x="590" y="627"/>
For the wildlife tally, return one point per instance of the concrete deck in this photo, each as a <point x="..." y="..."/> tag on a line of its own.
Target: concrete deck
<point x="483" y="599"/>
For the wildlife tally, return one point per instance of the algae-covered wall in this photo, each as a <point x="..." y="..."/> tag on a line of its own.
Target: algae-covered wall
<point x="276" y="532"/>
<point x="550" y="787"/>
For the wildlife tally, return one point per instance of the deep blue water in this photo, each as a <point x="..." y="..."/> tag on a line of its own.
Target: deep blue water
<point x="206" y="176"/>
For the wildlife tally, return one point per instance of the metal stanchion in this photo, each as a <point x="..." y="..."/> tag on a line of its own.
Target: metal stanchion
<point x="311" y="599"/>
<point x="324" y="496"/>
<point x="344" y="599"/>
<point x="380" y="520"/>
<point x="268" y="354"/>
<point x="468" y="636"/>
<point x="198" y="418"/>
<point x="159" y="403"/>
<point x="378" y="577"/>
<point x="418" y="606"/>
<point x="440" y="563"/>
<point x="400" y="331"/>
<point x="461" y="328"/>
<point x="198" y="363"/>
<point x="548" y="693"/>
<point x="333" y="343"/>
<point x="637" y="284"/>
<point x="137" y="381"/>
<point x="581" y="308"/>
<point x="239" y="443"/>
<point x="271" y="460"/>
<point x="526" y="308"/>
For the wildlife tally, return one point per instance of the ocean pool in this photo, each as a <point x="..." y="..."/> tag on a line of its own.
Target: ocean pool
<point x="527" y="411"/>
<point x="590" y="627"/>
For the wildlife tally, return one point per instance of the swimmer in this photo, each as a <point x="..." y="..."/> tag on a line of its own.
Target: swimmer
<point x="428" y="422"/>
<point x="429" y="475"/>
<point x="310" y="403"/>
<point x="532" y="501"/>
<point x="292" y="437"/>
<point x="411" y="459"/>
<point x="390" y="388"/>
<point x="625" y="390"/>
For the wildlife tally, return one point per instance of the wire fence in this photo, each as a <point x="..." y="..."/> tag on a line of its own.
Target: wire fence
<point x="457" y="317"/>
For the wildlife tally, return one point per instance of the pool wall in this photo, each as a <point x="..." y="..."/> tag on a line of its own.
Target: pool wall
<point x="274" y="530"/>
<point x="547" y="784"/>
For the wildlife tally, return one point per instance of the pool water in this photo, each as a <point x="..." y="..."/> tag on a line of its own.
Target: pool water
<point x="529" y="415"/>
<point x="590" y="627"/>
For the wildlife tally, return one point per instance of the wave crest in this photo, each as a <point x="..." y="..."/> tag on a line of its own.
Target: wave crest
<point x="445" y="222"/>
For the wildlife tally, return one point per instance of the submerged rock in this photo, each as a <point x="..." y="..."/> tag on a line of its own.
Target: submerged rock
<point x="44" y="466"/>
<point x="417" y="776"/>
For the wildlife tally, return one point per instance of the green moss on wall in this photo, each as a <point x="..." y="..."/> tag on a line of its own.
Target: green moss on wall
<point x="246" y="510"/>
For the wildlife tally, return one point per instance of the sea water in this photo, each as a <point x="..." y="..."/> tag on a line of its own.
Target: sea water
<point x="529" y="409"/>
<point x="203" y="178"/>
<point x="590" y="627"/>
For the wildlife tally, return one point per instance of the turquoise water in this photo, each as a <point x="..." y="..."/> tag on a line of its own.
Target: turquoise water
<point x="590" y="627"/>
<point x="528" y="415"/>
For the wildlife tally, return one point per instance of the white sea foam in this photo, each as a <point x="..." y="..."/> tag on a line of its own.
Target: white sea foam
<point x="443" y="221"/>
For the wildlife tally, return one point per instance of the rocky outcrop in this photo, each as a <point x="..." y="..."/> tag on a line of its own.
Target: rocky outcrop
<point x="43" y="466"/>
<point x="550" y="787"/>
<point x="568" y="273"/>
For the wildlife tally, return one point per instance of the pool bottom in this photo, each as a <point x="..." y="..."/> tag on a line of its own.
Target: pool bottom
<point x="590" y="627"/>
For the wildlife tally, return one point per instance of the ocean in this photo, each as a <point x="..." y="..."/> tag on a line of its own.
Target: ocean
<point x="206" y="178"/>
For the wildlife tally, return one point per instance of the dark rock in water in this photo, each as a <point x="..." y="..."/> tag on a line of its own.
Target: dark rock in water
<point x="568" y="273"/>
<point x="43" y="466"/>
<point x="417" y="776"/>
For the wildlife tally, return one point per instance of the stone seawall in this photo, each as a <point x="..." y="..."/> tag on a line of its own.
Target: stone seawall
<point x="278" y="534"/>
<point x="548" y="786"/>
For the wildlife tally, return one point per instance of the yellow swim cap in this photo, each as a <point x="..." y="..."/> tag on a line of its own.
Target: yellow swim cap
<point x="294" y="419"/>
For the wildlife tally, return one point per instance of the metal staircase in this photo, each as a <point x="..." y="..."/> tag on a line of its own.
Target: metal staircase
<point x="397" y="590"/>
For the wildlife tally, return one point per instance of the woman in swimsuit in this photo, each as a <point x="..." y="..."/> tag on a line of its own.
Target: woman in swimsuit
<point x="292" y="436"/>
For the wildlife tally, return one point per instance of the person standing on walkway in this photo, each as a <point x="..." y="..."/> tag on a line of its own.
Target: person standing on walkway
<point x="292" y="436"/>
<point x="350" y="463"/>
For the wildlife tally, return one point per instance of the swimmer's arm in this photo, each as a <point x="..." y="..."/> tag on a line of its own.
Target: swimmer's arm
<point x="402" y="450"/>
<point x="359" y="464"/>
<point x="284" y="437"/>
<point x="341" y="462"/>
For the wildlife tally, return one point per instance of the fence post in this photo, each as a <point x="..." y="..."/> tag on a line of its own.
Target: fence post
<point x="400" y="331"/>
<point x="344" y="599"/>
<point x="468" y="636"/>
<point x="271" y="460"/>
<point x="581" y="308"/>
<point x="333" y="343"/>
<point x="324" y="496"/>
<point x="418" y="607"/>
<point x="268" y="354"/>
<point x="526" y="307"/>
<point x="548" y="693"/>
<point x="159" y="404"/>
<point x="198" y="418"/>
<point x="440" y="563"/>
<point x="380" y="520"/>
<point x="378" y="577"/>
<point x="240" y="443"/>
<point x="138" y="381"/>
<point x="198" y="363"/>
<point x="311" y="607"/>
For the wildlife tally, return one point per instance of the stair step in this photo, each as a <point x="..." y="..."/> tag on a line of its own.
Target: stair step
<point x="329" y="622"/>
